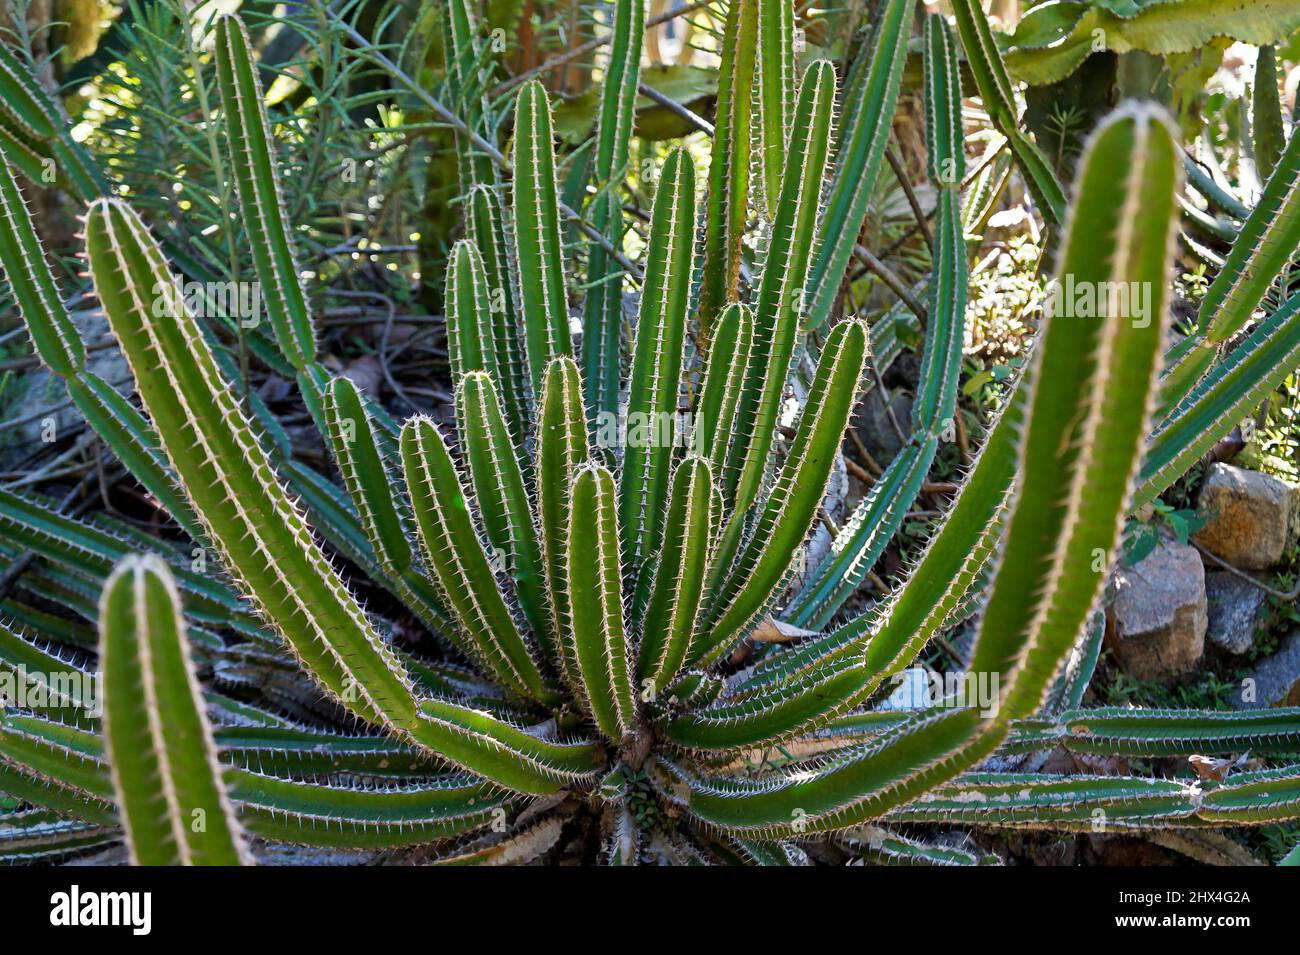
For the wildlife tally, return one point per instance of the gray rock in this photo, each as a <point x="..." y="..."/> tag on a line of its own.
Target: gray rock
<point x="1156" y="624"/>
<point x="1252" y="517"/>
<point x="41" y="399"/>
<point x="1235" y="609"/>
<point x="877" y="430"/>
<point x="1275" y="680"/>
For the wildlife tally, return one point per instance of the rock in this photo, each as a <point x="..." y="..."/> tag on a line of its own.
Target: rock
<point x="819" y="544"/>
<point x="1275" y="680"/>
<point x="41" y="399"/>
<point x="1251" y="517"/>
<point x="1235" y="608"/>
<point x="877" y="430"/>
<point x="1156" y="624"/>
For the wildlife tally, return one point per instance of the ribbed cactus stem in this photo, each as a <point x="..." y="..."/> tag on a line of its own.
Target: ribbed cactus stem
<point x="165" y="772"/>
<point x="227" y="473"/>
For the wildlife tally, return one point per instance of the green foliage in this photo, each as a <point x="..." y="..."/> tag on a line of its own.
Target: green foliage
<point x="1051" y="40"/>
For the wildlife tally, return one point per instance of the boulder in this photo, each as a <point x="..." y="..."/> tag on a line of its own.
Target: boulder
<point x="1235" y="609"/>
<point x="41" y="401"/>
<point x="1251" y="517"/>
<point x="876" y="428"/>
<point x="1156" y="624"/>
<point x="1275" y="680"/>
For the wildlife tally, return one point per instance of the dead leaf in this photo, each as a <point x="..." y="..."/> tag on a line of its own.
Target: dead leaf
<point x="775" y="631"/>
<point x="1209" y="767"/>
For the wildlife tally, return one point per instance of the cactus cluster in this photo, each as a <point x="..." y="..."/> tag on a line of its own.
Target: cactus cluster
<point x="603" y="610"/>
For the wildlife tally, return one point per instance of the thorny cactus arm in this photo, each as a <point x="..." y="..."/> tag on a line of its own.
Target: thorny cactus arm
<point x="228" y="476"/>
<point x="1264" y="246"/>
<point x="1221" y="399"/>
<point x="779" y="308"/>
<point x="561" y="450"/>
<point x="34" y="135"/>
<point x="173" y="802"/>
<point x="466" y="85"/>
<point x="595" y="625"/>
<point x="471" y="346"/>
<point x="719" y="395"/>
<point x="1071" y="803"/>
<point x="690" y="522"/>
<point x="364" y="451"/>
<point x="523" y="549"/>
<point x="257" y="177"/>
<point x="33" y="665"/>
<point x="871" y="95"/>
<point x="726" y="200"/>
<point x="68" y="768"/>
<point x="877" y="518"/>
<point x="60" y="347"/>
<point x="746" y="589"/>
<point x="776" y="85"/>
<point x="994" y="84"/>
<point x="603" y="317"/>
<point x="1078" y="455"/>
<point x="485" y="225"/>
<point x="1267" y="123"/>
<point x="545" y="311"/>
<point x="360" y="451"/>
<point x="461" y="564"/>
<point x="502" y="500"/>
<point x="657" y="360"/>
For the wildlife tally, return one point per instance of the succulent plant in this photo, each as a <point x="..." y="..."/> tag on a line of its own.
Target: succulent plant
<point x="603" y="610"/>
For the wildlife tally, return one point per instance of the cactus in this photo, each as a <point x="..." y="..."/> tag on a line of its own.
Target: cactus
<point x="35" y="138"/>
<point x="994" y="83"/>
<point x="867" y="531"/>
<point x="871" y="96"/>
<point x="597" y="604"/>
<point x="174" y="806"/>
<point x="603" y="319"/>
